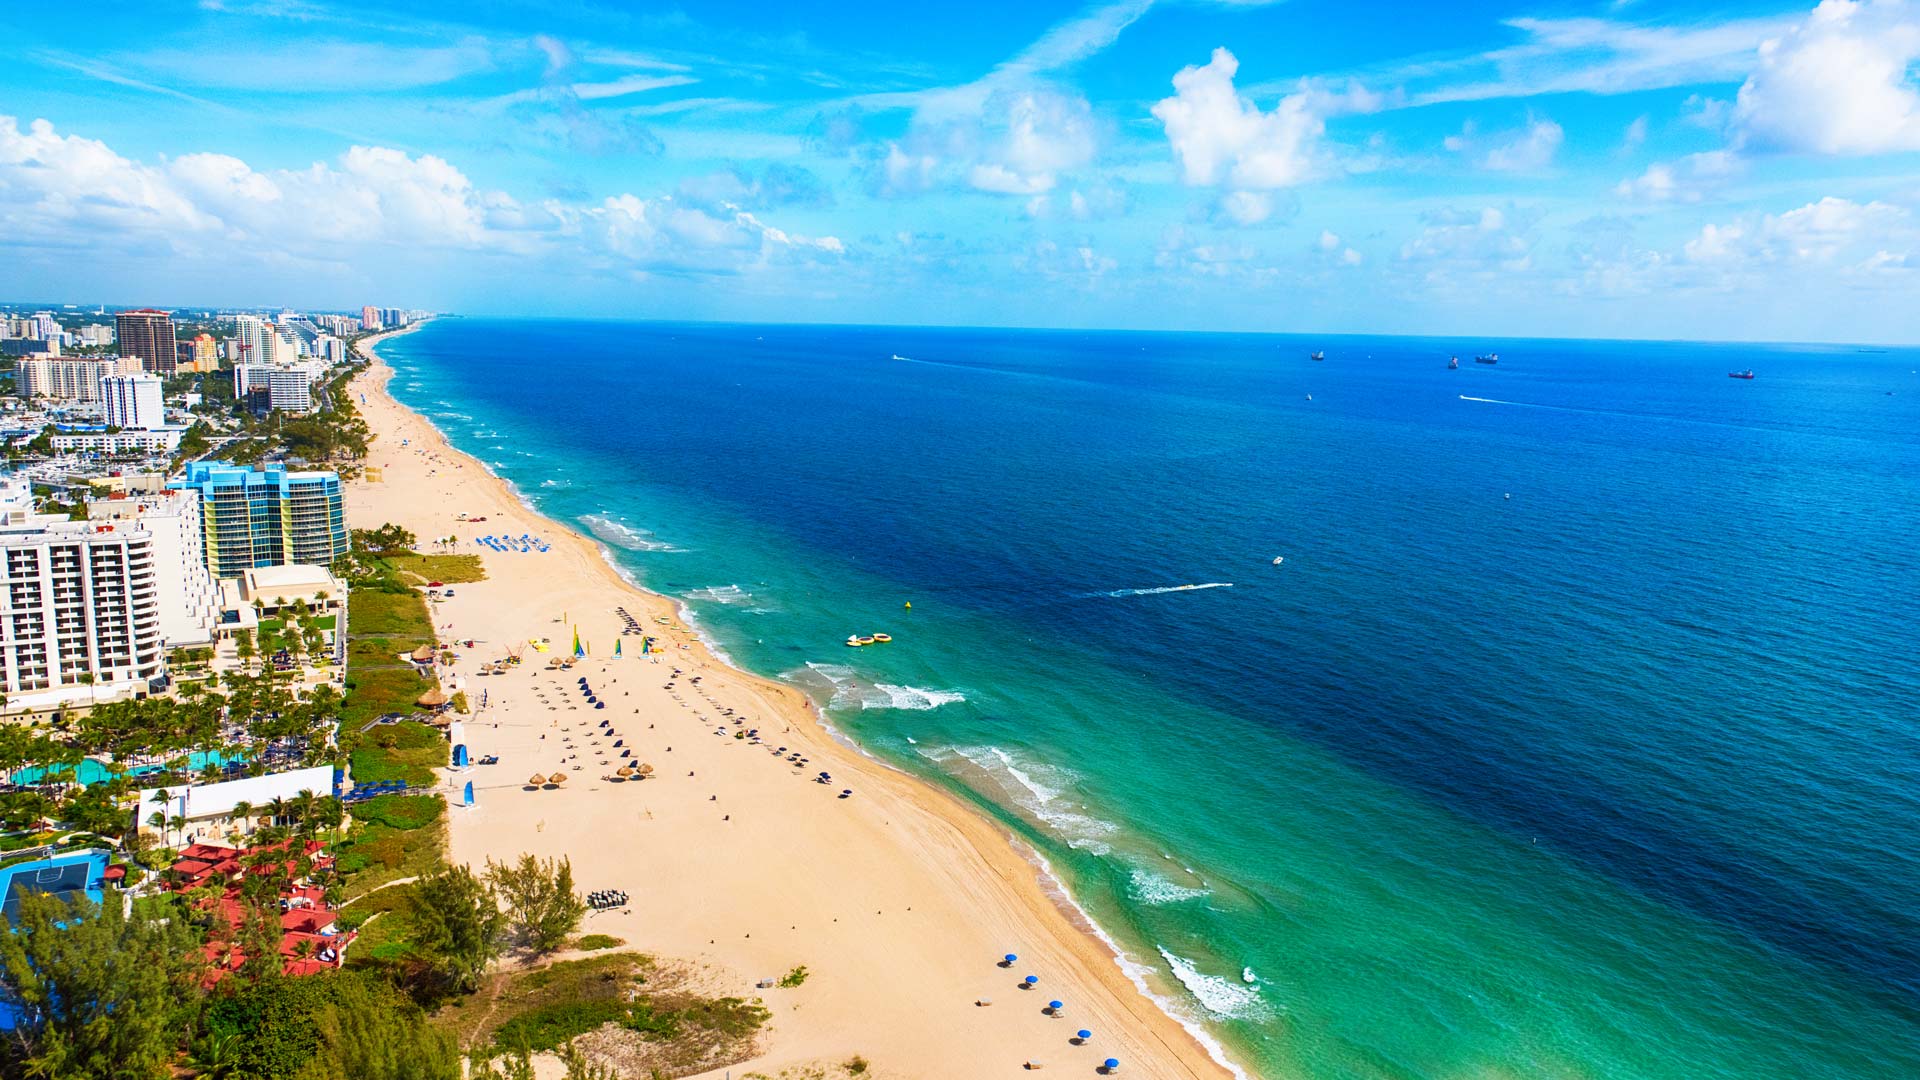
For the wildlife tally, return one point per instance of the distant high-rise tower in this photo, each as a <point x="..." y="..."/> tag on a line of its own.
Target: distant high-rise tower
<point x="148" y="334"/>
<point x="369" y="318"/>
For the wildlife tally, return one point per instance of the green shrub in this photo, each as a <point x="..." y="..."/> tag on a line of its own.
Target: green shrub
<point x="593" y="942"/>
<point x="550" y="1025"/>
<point x="401" y="812"/>
<point x="794" y="978"/>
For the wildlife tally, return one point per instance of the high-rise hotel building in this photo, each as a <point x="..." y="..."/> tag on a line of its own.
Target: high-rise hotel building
<point x="79" y="604"/>
<point x="266" y="516"/>
<point x="148" y="334"/>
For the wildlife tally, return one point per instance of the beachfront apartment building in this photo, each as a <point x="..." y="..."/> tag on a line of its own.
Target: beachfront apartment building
<point x="133" y="401"/>
<point x="148" y="334"/>
<point x="69" y="378"/>
<point x="79" y="610"/>
<point x="189" y="596"/>
<point x="160" y="440"/>
<point x="288" y="387"/>
<point x="266" y="516"/>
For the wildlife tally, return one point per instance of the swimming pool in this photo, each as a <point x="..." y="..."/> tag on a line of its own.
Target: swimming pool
<point x="90" y="771"/>
<point x="79" y="872"/>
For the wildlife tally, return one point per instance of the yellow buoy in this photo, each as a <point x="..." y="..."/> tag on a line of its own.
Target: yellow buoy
<point x="909" y="605"/>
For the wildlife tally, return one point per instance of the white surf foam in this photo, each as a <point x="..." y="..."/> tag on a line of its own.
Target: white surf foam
<point x="621" y="535"/>
<point x="1041" y="790"/>
<point x="1164" y="589"/>
<point x="1222" y="997"/>
<point x="846" y="690"/>
<point x="1151" y="888"/>
<point x="721" y="594"/>
<point x="560" y="483"/>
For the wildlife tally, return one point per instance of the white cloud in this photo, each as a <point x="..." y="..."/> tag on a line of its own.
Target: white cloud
<point x="1471" y="241"/>
<point x="1246" y="207"/>
<point x="1683" y="181"/>
<point x="1838" y="83"/>
<point x="1221" y="138"/>
<point x="1529" y="151"/>
<point x="316" y="66"/>
<point x="1829" y="232"/>
<point x="1635" y="135"/>
<point x="65" y="191"/>
<point x="628" y="84"/>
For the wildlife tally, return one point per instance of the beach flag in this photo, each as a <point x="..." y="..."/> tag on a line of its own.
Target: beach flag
<point x="579" y="650"/>
<point x="616" y="650"/>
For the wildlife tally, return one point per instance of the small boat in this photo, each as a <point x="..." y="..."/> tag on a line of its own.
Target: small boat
<point x="854" y="642"/>
<point x="1278" y="559"/>
<point x="1453" y="363"/>
<point x="897" y="356"/>
<point x="1747" y="374"/>
<point x="866" y="640"/>
<point x="1490" y="358"/>
<point x="882" y="638"/>
<point x="1316" y="356"/>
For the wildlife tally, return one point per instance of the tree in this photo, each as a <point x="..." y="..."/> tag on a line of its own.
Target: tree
<point x="331" y="1026"/>
<point x="97" y="991"/>
<point x="542" y="907"/>
<point x="243" y="647"/>
<point x="457" y="926"/>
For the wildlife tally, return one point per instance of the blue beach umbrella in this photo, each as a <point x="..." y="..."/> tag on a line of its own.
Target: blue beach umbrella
<point x="599" y="704"/>
<point x="1010" y="958"/>
<point x="1032" y="980"/>
<point x="1111" y="1065"/>
<point x="1082" y="1035"/>
<point x="1055" y="1006"/>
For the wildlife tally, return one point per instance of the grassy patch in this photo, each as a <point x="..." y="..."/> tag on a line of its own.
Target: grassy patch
<point x="323" y="622"/>
<point x="402" y="813"/>
<point x="451" y="569"/>
<point x="390" y="614"/>
<point x="375" y="854"/>
<point x="595" y="942"/>
<point x="548" y="1026"/>
<point x="374" y="690"/>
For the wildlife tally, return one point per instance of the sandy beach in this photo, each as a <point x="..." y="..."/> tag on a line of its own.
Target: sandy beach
<point x="899" y="900"/>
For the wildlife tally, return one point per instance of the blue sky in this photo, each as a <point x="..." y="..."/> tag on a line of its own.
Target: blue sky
<point x="1622" y="169"/>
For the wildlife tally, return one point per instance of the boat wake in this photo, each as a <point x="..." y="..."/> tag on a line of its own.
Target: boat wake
<point x="1162" y="589"/>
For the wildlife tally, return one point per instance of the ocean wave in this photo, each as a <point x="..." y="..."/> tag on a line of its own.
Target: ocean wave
<point x="1039" y="789"/>
<point x="846" y="690"/>
<point x="1160" y="589"/>
<point x="1151" y="888"/>
<point x="1222" y="997"/>
<point x="721" y="594"/>
<point x="621" y="535"/>
<point x="559" y="483"/>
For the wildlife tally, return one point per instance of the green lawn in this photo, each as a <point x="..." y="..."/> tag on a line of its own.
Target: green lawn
<point x="451" y="569"/>
<point x="402" y="615"/>
<point x="375" y="690"/>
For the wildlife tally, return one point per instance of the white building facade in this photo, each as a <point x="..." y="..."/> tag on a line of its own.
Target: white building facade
<point x="189" y="596"/>
<point x="79" y="610"/>
<point x="69" y="378"/>
<point x="133" y="401"/>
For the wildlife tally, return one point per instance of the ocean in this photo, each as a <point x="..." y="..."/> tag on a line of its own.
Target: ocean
<point x="1574" y="736"/>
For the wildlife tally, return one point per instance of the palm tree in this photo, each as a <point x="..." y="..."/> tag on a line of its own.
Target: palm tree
<point x="277" y="809"/>
<point x="243" y="811"/>
<point x="178" y="824"/>
<point x="159" y="821"/>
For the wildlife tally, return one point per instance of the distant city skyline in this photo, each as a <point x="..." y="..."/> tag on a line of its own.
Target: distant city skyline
<point x="1610" y="169"/>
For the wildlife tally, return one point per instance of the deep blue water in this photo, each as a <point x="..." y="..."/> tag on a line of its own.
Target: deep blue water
<point x="1575" y="735"/>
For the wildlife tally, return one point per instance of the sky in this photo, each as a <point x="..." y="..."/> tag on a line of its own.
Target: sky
<point x="1741" y="171"/>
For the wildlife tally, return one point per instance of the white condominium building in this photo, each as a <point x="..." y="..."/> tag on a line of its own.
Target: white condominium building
<point x="133" y="401"/>
<point x="69" y="378"/>
<point x="78" y="601"/>
<point x="189" y="597"/>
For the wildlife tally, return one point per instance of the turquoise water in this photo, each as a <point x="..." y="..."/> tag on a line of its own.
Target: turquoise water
<point x="1573" y="737"/>
<point x="90" y="771"/>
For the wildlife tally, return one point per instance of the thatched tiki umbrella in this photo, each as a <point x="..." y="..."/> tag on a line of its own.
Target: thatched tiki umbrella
<point x="423" y="655"/>
<point x="645" y="769"/>
<point x="557" y="778"/>
<point x="623" y="771"/>
<point x="432" y="699"/>
<point x="536" y="780"/>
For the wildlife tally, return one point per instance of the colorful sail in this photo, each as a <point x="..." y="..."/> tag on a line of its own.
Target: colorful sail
<point x="579" y="650"/>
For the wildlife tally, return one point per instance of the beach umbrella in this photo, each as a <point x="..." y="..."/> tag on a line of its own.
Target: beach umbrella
<point x="1032" y="980"/>
<point x="599" y="704"/>
<point x="1010" y="957"/>
<point x="645" y="769"/>
<point x="432" y="699"/>
<point x="1055" y="1006"/>
<point x="1111" y="1065"/>
<point x="1083" y="1035"/>
<point x="557" y="778"/>
<point x="537" y="779"/>
<point x="624" y="770"/>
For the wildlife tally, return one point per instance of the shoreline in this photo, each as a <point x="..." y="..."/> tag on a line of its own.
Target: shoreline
<point x="948" y="842"/>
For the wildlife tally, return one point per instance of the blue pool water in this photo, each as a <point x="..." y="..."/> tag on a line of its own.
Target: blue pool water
<point x="90" y="771"/>
<point x="1574" y="736"/>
